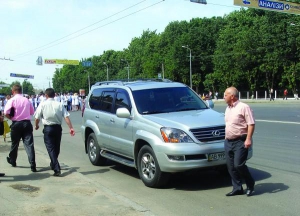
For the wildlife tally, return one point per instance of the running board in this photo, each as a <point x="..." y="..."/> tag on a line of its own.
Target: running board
<point x="117" y="158"/>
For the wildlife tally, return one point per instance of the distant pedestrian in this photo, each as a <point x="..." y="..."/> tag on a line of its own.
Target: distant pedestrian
<point x="216" y="95"/>
<point x="1" y="133"/>
<point x="19" y="109"/>
<point x="51" y="112"/>
<point x="271" y="92"/>
<point x="285" y="93"/>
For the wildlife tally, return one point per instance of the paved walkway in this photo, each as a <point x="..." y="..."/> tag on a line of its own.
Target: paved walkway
<point x="36" y="194"/>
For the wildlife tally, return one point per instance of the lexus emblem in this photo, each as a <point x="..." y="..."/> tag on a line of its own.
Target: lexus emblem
<point x="216" y="133"/>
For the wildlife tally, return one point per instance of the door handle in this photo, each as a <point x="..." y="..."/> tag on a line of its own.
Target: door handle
<point x="112" y="120"/>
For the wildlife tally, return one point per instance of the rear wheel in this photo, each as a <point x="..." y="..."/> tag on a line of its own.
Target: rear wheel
<point x="94" y="151"/>
<point x="149" y="170"/>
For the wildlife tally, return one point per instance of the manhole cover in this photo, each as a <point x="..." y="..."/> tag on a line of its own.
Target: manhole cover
<point x="25" y="188"/>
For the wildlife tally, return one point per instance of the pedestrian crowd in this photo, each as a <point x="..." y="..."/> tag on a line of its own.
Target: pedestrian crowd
<point x="49" y="108"/>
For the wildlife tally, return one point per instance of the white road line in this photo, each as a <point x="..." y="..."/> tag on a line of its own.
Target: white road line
<point x="282" y="122"/>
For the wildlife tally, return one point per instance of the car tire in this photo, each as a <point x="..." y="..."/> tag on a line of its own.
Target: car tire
<point x="149" y="170"/>
<point x="94" y="151"/>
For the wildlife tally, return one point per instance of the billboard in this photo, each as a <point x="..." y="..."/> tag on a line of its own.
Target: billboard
<point x="61" y="61"/>
<point x="22" y="76"/>
<point x="274" y="5"/>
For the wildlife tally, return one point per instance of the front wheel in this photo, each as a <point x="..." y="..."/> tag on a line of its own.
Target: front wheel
<point x="149" y="170"/>
<point x="94" y="151"/>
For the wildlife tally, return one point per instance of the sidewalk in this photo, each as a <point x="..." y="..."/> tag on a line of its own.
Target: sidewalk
<point x="23" y="192"/>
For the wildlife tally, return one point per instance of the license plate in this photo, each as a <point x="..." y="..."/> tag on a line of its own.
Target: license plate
<point x="216" y="156"/>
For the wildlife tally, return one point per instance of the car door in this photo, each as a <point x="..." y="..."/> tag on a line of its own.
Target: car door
<point x="121" y="131"/>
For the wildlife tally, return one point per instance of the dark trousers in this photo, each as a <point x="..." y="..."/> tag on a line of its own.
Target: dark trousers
<point x="236" y="157"/>
<point x="22" y="130"/>
<point x="52" y="139"/>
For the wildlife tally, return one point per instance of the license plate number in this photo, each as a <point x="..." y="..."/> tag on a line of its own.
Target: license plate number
<point x="216" y="156"/>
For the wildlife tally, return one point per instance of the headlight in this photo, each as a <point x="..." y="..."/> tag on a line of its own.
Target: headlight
<point x="172" y="135"/>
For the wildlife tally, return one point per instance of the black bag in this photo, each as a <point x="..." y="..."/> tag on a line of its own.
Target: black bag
<point x="1" y="128"/>
<point x="12" y="112"/>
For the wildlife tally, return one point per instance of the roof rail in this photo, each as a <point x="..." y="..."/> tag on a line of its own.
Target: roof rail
<point x="123" y="82"/>
<point x="108" y="83"/>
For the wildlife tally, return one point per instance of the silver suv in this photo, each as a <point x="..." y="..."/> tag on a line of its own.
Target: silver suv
<point x="157" y="127"/>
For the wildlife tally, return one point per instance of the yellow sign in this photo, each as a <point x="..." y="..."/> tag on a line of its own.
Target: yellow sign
<point x="62" y="61"/>
<point x="273" y="5"/>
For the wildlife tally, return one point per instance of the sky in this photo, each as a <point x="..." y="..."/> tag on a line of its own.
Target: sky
<point x="77" y="29"/>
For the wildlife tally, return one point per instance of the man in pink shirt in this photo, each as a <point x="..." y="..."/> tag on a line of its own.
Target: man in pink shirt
<point x="239" y="130"/>
<point x="19" y="110"/>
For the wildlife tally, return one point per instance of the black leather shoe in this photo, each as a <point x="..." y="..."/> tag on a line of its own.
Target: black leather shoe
<point x="57" y="173"/>
<point x="250" y="191"/>
<point x="14" y="164"/>
<point x="234" y="193"/>
<point x="2" y="174"/>
<point x="33" y="169"/>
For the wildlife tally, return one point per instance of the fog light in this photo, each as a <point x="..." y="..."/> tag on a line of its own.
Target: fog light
<point x="176" y="157"/>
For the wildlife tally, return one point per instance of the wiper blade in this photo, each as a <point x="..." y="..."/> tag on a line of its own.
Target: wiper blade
<point x="186" y="109"/>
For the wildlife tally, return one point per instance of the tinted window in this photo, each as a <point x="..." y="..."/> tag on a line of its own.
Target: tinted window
<point x="122" y="100"/>
<point x="164" y="100"/>
<point x="94" y="100"/>
<point x="106" y="101"/>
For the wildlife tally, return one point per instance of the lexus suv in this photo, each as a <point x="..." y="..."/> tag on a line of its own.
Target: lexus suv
<point x="157" y="127"/>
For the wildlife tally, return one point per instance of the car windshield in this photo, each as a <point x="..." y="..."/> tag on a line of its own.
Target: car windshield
<point x="165" y="100"/>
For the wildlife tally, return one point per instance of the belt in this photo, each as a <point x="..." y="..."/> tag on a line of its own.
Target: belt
<point x="242" y="137"/>
<point x="53" y="125"/>
<point x="21" y="120"/>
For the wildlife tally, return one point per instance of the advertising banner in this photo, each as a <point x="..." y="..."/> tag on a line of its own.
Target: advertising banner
<point x="61" y="61"/>
<point x="273" y="5"/>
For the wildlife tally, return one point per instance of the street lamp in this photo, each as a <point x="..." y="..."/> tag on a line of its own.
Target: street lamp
<point x="88" y="79"/>
<point x="124" y="60"/>
<point x="187" y="47"/>
<point x="106" y="70"/>
<point x="23" y="86"/>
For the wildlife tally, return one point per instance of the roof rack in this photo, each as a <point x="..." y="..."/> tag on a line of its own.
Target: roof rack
<point x="109" y="83"/>
<point x="125" y="81"/>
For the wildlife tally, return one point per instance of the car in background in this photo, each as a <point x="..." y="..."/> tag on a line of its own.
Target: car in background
<point x="157" y="127"/>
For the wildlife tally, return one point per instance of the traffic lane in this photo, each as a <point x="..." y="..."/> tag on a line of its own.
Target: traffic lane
<point x="270" y="111"/>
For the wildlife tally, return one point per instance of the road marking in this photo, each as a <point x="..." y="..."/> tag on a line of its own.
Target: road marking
<point x="283" y="122"/>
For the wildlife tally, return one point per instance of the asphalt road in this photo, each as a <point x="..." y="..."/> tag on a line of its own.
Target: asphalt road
<point x="275" y="167"/>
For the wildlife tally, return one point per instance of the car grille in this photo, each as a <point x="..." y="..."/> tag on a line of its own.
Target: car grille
<point x="209" y="134"/>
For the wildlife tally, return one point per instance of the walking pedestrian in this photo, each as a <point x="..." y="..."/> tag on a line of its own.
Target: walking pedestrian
<point x="19" y="110"/>
<point x="285" y="92"/>
<point x="1" y="133"/>
<point x="51" y="112"/>
<point x="271" y="94"/>
<point x="239" y="129"/>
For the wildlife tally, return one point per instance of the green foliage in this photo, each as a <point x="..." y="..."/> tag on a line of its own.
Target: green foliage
<point x="250" y="49"/>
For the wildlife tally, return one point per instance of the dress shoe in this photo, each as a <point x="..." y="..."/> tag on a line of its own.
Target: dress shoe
<point x="14" y="164"/>
<point x="2" y="174"/>
<point x="57" y="173"/>
<point x="236" y="192"/>
<point x="33" y="169"/>
<point x="250" y="191"/>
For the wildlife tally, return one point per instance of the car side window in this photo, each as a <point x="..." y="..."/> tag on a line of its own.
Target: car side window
<point x="106" y="101"/>
<point x="94" y="100"/>
<point x="122" y="100"/>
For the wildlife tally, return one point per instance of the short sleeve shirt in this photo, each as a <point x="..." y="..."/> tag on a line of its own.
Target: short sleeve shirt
<point x="51" y="112"/>
<point x="237" y="119"/>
